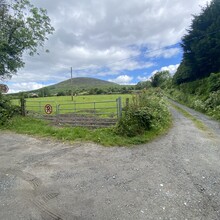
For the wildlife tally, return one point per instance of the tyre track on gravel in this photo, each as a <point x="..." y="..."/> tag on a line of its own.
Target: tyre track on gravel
<point x="39" y="199"/>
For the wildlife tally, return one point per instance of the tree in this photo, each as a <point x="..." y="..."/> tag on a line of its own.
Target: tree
<point x="23" y="27"/>
<point x="159" y="78"/>
<point x="44" y="92"/>
<point x="201" y="46"/>
<point x="61" y="93"/>
<point x="143" y="85"/>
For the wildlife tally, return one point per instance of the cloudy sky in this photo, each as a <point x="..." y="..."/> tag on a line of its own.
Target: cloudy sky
<point x="122" y="41"/>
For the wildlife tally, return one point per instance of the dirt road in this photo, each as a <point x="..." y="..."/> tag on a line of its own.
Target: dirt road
<point x="175" y="177"/>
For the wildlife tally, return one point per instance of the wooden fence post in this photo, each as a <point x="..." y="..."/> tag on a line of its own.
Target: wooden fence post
<point x="23" y="111"/>
<point x="127" y="103"/>
<point x="119" y="107"/>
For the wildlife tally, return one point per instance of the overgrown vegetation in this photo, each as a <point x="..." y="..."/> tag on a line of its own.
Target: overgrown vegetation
<point x="146" y="112"/>
<point x="7" y="110"/>
<point x="202" y="95"/>
<point x="197" y="80"/>
<point x="104" y="136"/>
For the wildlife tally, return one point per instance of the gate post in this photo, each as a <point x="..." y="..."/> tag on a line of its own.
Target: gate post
<point x="127" y="103"/>
<point x="94" y="110"/>
<point x="23" y="101"/>
<point x="119" y="107"/>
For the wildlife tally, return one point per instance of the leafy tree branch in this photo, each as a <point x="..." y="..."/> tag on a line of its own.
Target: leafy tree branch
<point x="23" y="28"/>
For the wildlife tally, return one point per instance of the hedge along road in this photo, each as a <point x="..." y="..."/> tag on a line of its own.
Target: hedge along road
<point x="175" y="177"/>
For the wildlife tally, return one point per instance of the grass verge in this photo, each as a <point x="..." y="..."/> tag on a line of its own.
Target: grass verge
<point x="104" y="136"/>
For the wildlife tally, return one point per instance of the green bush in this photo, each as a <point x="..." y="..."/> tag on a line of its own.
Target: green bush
<point x="61" y="94"/>
<point x="199" y="105"/>
<point x="202" y="95"/>
<point x="7" y="110"/>
<point x="213" y="105"/>
<point x="214" y="82"/>
<point x="146" y="112"/>
<point x="215" y="113"/>
<point x="213" y="101"/>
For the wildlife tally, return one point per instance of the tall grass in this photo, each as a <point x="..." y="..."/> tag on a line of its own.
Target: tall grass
<point x="104" y="136"/>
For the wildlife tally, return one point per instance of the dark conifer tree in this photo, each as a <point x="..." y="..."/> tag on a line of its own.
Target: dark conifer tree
<point x="201" y="45"/>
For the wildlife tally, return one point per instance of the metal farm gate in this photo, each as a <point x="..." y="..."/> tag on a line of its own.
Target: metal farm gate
<point x="86" y="114"/>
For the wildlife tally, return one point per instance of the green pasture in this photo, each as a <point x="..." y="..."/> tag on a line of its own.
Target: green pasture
<point x="103" y="105"/>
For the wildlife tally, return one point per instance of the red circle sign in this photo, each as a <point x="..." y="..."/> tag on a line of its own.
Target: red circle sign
<point x="48" y="109"/>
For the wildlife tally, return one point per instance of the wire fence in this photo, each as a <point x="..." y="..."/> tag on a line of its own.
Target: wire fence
<point x="87" y="114"/>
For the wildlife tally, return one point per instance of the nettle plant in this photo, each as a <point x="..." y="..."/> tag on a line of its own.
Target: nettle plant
<point x="7" y="110"/>
<point x="147" y="111"/>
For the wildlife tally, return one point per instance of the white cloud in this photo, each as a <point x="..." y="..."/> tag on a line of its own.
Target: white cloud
<point x="122" y="80"/>
<point x="18" y="87"/>
<point x="143" y="78"/>
<point x="91" y="35"/>
<point x="165" y="53"/>
<point x="98" y="32"/>
<point x="171" y="68"/>
<point x="131" y="65"/>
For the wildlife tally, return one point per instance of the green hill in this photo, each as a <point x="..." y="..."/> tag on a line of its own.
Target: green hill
<point x="81" y="83"/>
<point x="78" y="85"/>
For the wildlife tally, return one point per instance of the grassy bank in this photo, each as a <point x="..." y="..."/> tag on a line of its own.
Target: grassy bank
<point x="203" y="95"/>
<point x="106" y="136"/>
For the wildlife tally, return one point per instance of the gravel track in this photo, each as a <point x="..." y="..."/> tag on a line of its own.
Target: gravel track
<point x="176" y="176"/>
<point x="210" y="123"/>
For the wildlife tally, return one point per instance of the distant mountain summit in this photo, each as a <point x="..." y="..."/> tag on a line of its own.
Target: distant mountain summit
<point x="84" y="82"/>
<point x="80" y="83"/>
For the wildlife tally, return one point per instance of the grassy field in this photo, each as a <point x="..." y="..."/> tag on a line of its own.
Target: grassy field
<point x="104" y="136"/>
<point x="104" y="105"/>
<point x="83" y="98"/>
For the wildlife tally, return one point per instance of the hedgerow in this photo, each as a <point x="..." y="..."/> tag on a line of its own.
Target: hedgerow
<point x="203" y="95"/>
<point x="7" y="110"/>
<point x="146" y="112"/>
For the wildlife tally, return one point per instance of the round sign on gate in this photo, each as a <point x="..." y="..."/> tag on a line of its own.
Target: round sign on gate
<point x="48" y="109"/>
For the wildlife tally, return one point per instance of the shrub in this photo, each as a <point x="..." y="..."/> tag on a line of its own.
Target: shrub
<point x="199" y="105"/>
<point x="146" y="112"/>
<point x="213" y="100"/>
<point x="213" y="105"/>
<point x="7" y="110"/>
<point x="61" y="94"/>
<point x="215" y="113"/>
<point x="202" y="95"/>
<point x="214" y="82"/>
